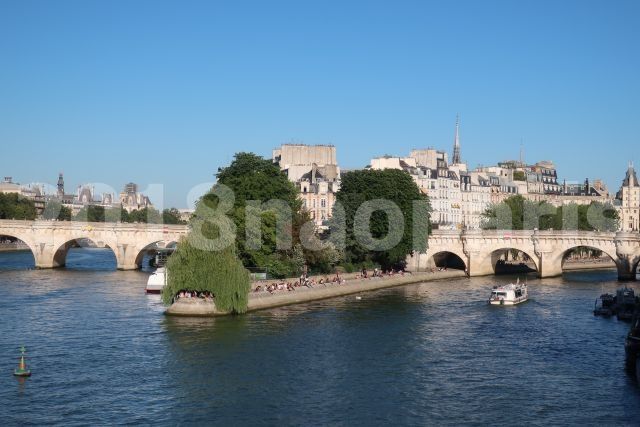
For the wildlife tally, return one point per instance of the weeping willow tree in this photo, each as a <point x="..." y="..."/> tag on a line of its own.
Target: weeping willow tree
<point x="206" y="260"/>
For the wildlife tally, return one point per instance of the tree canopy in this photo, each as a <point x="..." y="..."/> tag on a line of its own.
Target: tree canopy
<point x="518" y="213"/>
<point x="148" y="215"/>
<point x="54" y="209"/>
<point x="15" y="206"/>
<point x="263" y="192"/>
<point x="374" y="193"/>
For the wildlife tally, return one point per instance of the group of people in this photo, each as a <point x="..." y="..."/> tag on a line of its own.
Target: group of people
<point x="364" y="274"/>
<point x="195" y="294"/>
<point x="304" y="281"/>
<point x="312" y="282"/>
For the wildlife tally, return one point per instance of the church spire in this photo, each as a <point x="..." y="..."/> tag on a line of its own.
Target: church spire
<point x="456" y="143"/>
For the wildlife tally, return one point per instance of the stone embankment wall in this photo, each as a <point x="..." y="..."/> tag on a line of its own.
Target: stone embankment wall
<point x="263" y="300"/>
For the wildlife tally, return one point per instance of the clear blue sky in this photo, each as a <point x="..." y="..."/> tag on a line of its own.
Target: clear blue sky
<point x="166" y="92"/>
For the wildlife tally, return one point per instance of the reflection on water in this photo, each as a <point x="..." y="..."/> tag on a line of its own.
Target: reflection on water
<point x="103" y="352"/>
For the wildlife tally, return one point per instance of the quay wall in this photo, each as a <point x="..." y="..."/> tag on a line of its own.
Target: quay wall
<point x="263" y="300"/>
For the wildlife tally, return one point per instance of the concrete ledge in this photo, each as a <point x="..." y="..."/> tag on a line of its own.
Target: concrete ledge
<point x="193" y="307"/>
<point x="264" y="300"/>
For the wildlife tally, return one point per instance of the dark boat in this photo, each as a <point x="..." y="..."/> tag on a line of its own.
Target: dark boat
<point x="632" y="342"/>
<point x="604" y="305"/>
<point x="625" y="303"/>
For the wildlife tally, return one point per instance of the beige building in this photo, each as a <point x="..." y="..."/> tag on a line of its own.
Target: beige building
<point x="457" y="197"/>
<point x="8" y="186"/>
<point x="132" y="200"/>
<point x="629" y="201"/>
<point x="315" y="172"/>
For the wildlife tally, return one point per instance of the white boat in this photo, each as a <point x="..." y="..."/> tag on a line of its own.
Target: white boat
<point x="156" y="281"/>
<point x="511" y="294"/>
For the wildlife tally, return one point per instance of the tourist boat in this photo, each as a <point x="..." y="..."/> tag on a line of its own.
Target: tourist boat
<point x="511" y="294"/>
<point x="604" y="305"/>
<point x="625" y="303"/>
<point x="156" y="281"/>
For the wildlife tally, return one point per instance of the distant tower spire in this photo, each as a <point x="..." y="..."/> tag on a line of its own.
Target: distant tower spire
<point x="521" y="152"/>
<point x="60" y="185"/>
<point x="456" y="143"/>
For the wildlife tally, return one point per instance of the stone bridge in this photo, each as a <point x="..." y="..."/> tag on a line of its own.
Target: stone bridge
<point x="50" y="241"/>
<point x="547" y="249"/>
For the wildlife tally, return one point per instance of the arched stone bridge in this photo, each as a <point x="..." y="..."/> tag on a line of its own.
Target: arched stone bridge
<point x="50" y="240"/>
<point x="547" y="249"/>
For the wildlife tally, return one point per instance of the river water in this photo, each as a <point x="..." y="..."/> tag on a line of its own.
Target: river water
<point x="102" y="352"/>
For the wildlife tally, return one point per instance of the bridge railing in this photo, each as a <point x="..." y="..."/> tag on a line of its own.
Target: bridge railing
<point x="80" y="225"/>
<point x="531" y="233"/>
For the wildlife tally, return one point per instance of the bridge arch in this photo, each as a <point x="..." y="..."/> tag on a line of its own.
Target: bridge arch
<point x="586" y="249"/>
<point x="447" y="258"/>
<point x="61" y="249"/>
<point x="22" y="239"/>
<point x="502" y="260"/>
<point x="152" y="248"/>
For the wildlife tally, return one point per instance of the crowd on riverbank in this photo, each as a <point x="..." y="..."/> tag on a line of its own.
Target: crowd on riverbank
<point x="307" y="282"/>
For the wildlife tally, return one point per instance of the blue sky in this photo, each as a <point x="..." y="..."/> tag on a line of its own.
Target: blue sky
<point x="166" y="92"/>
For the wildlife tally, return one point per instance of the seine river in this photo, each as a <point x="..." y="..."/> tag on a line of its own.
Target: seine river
<point x="102" y="352"/>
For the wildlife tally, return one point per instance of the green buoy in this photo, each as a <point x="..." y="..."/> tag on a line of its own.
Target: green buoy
<point x="22" y="370"/>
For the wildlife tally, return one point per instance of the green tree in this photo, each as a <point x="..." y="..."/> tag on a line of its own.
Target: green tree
<point x="368" y="187"/>
<point x="145" y="216"/>
<point x="593" y="217"/>
<point x="90" y="213"/>
<point x="116" y="214"/>
<point x="171" y="216"/>
<point x="14" y="206"/>
<point x="196" y="266"/>
<point x="56" y="210"/>
<point x="518" y="213"/>
<point x="253" y="178"/>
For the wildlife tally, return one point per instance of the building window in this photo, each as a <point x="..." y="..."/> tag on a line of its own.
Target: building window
<point x="323" y="203"/>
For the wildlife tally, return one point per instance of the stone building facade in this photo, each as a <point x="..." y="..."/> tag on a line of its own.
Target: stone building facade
<point x="628" y="199"/>
<point x="315" y="172"/>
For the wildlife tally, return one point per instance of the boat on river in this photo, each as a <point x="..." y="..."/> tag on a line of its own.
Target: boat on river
<point x="157" y="281"/>
<point x="604" y="305"/>
<point x="511" y="294"/>
<point x="625" y="303"/>
<point x="632" y="342"/>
